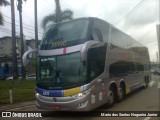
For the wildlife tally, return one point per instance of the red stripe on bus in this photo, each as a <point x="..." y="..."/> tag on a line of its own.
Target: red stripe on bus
<point x="64" y="50"/>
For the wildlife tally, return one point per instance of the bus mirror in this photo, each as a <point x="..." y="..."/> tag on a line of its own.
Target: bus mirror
<point x="87" y="45"/>
<point x="25" y="55"/>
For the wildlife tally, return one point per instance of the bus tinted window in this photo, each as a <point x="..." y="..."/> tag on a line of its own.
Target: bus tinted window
<point x="66" y="34"/>
<point x="121" y="68"/>
<point x="101" y="30"/>
<point x="118" y="38"/>
<point x="61" y="71"/>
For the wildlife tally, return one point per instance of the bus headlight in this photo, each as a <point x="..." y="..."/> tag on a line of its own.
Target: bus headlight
<point x="37" y="94"/>
<point x="81" y="94"/>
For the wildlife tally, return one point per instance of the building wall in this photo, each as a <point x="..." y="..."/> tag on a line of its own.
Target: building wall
<point x="6" y="47"/>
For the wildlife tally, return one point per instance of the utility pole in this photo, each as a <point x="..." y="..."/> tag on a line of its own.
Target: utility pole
<point x="36" y="32"/>
<point x="14" y="53"/>
<point x="58" y="11"/>
<point x="36" y="24"/>
<point x="19" y="7"/>
<point x="158" y="38"/>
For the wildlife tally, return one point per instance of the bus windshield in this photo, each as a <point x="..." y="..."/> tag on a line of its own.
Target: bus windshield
<point x="60" y="72"/>
<point x="66" y="34"/>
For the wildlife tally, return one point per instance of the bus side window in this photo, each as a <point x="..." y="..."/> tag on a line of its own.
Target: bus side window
<point x="121" y="68"/>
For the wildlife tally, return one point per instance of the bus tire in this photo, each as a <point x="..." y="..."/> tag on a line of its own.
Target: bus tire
<point x="145" y="82"/>
<point x="111" y="97"/>
<point x="121" y="95"/>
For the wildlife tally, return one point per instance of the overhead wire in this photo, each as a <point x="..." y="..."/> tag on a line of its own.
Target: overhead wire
<point x="9" y="32"/>
<point x="17" y="20"/>
<point x="133" y="3"/>
<point x="71" y="8"/>
<point x="17" y="24"/>
<point x="147" y="33"/>
<point x="130" y="12"/>
<point x="45" y="1"/>
<point x="28" y="30"/>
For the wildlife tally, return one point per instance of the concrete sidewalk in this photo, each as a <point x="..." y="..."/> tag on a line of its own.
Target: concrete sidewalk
<point x="20" y="104"/>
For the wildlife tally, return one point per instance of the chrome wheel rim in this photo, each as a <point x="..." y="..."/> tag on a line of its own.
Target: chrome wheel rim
<point x="110" y="97"/>
<point x="120" y="93"/>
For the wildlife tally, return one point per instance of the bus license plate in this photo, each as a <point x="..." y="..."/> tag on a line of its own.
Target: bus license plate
<point x="56" y="107"/>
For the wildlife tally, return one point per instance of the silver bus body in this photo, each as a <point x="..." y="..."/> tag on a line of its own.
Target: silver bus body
<point x="125" y="68"/>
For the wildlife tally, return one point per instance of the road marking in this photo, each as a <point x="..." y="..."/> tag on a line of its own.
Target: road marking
<point x="159" y="85"/>
<point x="147" y="118"/>
<point x="151" y="83"/>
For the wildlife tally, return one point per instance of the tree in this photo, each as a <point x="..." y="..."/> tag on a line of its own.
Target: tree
<point x="58" y="16"/>
<point x="3" y="3"/>
<point x="14" y="54"/>
<point x="19" y="7"/>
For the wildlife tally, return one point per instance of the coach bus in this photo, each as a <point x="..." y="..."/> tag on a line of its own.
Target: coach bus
<point x="86" y="63"/>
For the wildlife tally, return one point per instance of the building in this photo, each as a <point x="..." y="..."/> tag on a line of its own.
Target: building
<point x="6" y="50"/>
<point x="30" y="44"/>
<point x="6" y="46"/>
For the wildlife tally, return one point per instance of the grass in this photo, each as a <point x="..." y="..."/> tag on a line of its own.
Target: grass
<point x="23" y="90"/>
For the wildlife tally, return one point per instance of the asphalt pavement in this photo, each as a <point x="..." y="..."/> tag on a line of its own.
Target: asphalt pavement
<point x="15" y="105"/>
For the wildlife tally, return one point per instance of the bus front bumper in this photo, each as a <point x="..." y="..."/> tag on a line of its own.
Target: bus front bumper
<point x="64" y="103"/>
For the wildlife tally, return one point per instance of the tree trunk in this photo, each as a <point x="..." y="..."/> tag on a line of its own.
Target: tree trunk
<point x="21" y="36"/>
<point x="14" y="53"/>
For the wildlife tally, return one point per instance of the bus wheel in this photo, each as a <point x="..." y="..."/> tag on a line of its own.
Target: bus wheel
<point x="111" y="97"/>
<point x="145" y="83"/>
<point x="121" y="93"/>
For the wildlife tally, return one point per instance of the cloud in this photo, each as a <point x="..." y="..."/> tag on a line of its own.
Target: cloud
<point x="136" y="23"/>
<point x="146" y="14"/>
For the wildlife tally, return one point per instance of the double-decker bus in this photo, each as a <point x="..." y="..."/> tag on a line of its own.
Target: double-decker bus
<point x="85" y="63"/>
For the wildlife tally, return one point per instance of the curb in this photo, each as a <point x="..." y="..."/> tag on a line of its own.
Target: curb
<point x="12" y="106"/>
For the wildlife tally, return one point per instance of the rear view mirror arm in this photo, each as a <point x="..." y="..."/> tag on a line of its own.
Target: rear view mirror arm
<point x="24" y="58"/>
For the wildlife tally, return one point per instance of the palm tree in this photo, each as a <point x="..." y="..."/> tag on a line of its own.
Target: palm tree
<point x="3" y="3"/>
<point x="58" y="16"/>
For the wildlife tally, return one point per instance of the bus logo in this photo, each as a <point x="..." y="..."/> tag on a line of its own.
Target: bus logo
<point x="55" y="99"/>
<point x="46" y="93"/>
<point x="58" y="44"/>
